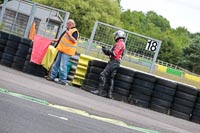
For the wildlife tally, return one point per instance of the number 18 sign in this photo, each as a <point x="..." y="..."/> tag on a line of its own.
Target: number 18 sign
<point x="151" y="45"/>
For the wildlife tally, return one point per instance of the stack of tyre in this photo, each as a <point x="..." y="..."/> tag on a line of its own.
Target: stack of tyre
<point x="184" y="101"/>
<point x="15" y="52"/>
<point x="32" y="68"/>
<point x="122" y="84"/>
<point x="10" y="50"/>
<point x="142" y="89"/>
<point x="94" y="69"/>
<point x="196" y="111"/>
<point x="3" y="42"/>
<point x="163" y="95"/>
<point x="22" y="53"/>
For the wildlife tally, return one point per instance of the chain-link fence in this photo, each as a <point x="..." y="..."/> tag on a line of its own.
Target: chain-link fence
<point x="140" y="49"/>
<point x="17" y="17"/>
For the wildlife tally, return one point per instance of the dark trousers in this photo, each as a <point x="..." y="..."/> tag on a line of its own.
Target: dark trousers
<point x="107" y="75"/>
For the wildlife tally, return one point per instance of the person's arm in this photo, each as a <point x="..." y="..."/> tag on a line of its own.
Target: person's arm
<point x="54" y="40"/>
<point x="73" y="36"/>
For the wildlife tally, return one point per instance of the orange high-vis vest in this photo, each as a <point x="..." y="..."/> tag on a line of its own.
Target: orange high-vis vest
<point x="65" y="44"/>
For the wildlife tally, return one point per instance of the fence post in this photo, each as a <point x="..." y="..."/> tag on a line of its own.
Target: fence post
<point x="62" y="29"/>
<point x="3" y="10"/>
<point x="155" y="57"/>
<point x="17" y="12"/>
<point x="30" y="20"/>
<point x="91" y="37"/>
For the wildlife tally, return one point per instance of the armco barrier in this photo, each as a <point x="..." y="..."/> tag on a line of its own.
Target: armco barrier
<point x="191" y="77"/>
<point x="161" y="68"/>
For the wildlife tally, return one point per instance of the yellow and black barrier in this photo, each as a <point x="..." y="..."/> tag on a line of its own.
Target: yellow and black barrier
<point x="81" y="69"/>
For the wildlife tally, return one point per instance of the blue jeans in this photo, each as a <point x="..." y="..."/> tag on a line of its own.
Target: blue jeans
<point x="60" y="62"/>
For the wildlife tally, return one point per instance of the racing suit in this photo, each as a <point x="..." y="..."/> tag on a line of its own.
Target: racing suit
<point x="110" y="70"/>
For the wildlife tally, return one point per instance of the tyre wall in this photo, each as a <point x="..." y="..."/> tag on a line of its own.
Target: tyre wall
<point x="148" y="91"/>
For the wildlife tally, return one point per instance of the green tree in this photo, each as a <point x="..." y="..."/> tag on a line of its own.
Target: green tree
<point x="191" y="56"/>
<point x="86" y="12"/>
<point x="133" y="21"/>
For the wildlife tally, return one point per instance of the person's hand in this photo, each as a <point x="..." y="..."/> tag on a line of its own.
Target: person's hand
<point x="104" y="50"/>
<point x="54" y="40"/>
<point x="67" y="32"/>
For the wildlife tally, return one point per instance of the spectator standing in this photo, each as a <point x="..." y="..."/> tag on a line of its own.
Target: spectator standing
<point x="66" y="46"/>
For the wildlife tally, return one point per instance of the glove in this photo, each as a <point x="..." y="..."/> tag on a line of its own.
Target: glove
<point x="106" y="51"/>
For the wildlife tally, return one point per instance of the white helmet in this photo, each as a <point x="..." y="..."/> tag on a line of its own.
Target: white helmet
<point x="119" y="34"/>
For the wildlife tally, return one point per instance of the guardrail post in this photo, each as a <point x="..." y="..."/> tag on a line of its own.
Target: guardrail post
<point x="31" y="19"/>
<point x="3" y="10"/>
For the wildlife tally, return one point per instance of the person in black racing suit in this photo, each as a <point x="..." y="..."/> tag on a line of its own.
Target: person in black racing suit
<point x="113" y="64"/>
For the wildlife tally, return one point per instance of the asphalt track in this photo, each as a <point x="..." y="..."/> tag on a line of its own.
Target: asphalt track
<point x="75" y="100"/>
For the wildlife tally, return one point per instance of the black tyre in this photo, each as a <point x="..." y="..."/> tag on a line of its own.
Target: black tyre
<point x="197" y="106"/>
<point x="126" y="71"/>
<point x="187" y="89"/>
<point x="88" y="88"/>
<point x="121" y="84"/>
<point x="195" y="119"/>
<point x="17" y="66"/>
<point x="124" y="78"/>
<point x="182" y="108"/>
<point x="119" y="97"/>
<point x="180" y="115"/>
<point x="92" y="76"/>
<point x="14" y="38"/>
<point x="158" y="108"/>
<point x="92" y="69"/>
<point x="196" y="112"/>
<point x="1" y="53"/>
<point x="91" y="83"/>
<point x="162" y="96"/>
<point x="6" y="62"/>
<point x="143" y="83"/>
<point x="21" y="54"/>
<point x="8" y="57"/>
<point x="3" y="42"/>
<point x="166" y="82"/>
<point x="185" y="96"/>
<point x="12" y="44"/>
<point x="138" y="102"/>
<point x="2" y="47"/>
<point x="23" y="47"/>
<point x="146" y="77"/>
<point x="121" y="91"/>
<point x="160" y="102"/>
<point x="165" y="89"/>
<point x="96" y="63"/>
<point x="26" y="41"/>
<point x="142" y="90"/>
<point x="183" y="102"/>
<point x="140" y="97"/>
<point x="4" y="35"/>
<point x="10" y="51"/>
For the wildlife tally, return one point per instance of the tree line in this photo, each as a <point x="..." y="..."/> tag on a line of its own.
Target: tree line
<point x="179" y="46"/>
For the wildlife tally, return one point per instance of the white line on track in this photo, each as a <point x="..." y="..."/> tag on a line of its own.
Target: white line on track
<point x="63" y="118"/>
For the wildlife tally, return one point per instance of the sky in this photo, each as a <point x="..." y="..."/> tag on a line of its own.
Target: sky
<point x="184" y="13"/>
